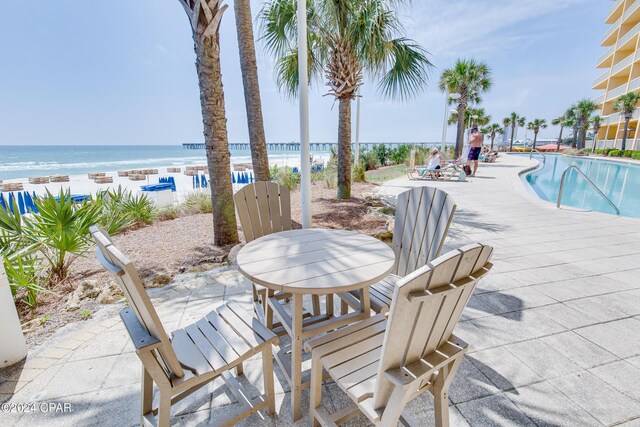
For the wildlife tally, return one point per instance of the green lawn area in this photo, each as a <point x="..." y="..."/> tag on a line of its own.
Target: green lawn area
<point x="386" y="173"/>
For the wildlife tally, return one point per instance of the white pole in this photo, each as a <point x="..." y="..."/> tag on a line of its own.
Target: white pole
<point x="357" y="147"/>
<point x="13" y="348"/>
<point x="444" y="123"/>
<point x="303" y="78"/>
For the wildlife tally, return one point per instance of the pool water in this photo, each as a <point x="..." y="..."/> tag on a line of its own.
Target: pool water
<point x="618" y="180"/>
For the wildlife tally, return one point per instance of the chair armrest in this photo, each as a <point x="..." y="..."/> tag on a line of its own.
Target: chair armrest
<point x="142" y="339"/>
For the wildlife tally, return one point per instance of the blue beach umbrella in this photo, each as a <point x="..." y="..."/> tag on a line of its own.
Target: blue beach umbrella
<point x="233" y="177"/>
<point x="11" y="202"/>
<point x="21" y="206"/>
<point x="2" y="202"/>
<point x="193" y="181"/>
<point x="204" y="182"/>
<point x="250" y="176"/>
<point x="245" y="177"/>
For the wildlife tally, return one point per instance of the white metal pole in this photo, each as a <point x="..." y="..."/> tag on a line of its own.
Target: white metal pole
<point x="357" y="147"/>
<point x="444" y="123"/>
<point x="303" y="79"/>
<point x="13" y="348"/>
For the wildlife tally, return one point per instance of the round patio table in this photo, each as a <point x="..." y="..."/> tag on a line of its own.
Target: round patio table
<point x="313" y="262"/>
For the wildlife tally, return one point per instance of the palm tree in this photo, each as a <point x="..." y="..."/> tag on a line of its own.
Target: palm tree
<point x="572" y="121"/>
<point x="626" y="105"/>
<point x="535" y="125"/>
<point x="596" y="121"/>
<point x="249" y="69"/>
<point x="346" y="38"/>
<point x="469" y="78"/>
<point x="512" y="120"/>
<point x="475" y="116"/>
<point x="559" y="121"/>
<point x="492" y="131"/>
<point x="584" y="108"/>
<point x="204" y="18"/>
<point x="522" y="121"/>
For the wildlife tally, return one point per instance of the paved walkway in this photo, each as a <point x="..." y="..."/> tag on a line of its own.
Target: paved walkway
<point x="554" y="330"/>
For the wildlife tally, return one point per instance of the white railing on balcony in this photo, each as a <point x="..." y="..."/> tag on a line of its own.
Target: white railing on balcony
<point x="614" y="93"/>
<point x="599" y="99"/>
<point x="629" y="11"/>
<point x="629" y="35"/>
<point x="614" y="28"/>
<point x="614" y="7"/>
<point x="634" y="85"/>
<point x="623" y="64"/>
<point x="607" y="54"/>
<point x="602" y="77"/>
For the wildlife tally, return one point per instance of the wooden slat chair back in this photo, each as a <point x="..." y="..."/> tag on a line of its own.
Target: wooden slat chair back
<point x="263" y="208"/>
<point x="195" y="355"/>
<point x="425" y="309"/>
<point x="129" y="282"/>
<point x="423" y="217"/>
<point x="383" y="362"/>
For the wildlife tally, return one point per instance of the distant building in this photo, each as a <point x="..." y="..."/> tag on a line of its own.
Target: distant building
<point x="621" y="63"/>
<point x="506" y="135"/>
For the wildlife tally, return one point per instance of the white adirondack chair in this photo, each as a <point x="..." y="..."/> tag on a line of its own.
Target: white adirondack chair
<point x="193" y="356"/>
<point x="383" y="362"/>
<point x="265" y="208"/>
<point x="423" y="217"/>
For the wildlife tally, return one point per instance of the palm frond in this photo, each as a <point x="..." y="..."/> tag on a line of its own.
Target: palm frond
<point x="408" y="70"/>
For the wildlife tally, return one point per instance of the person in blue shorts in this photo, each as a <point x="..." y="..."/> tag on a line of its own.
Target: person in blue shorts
<point x="475" y="146"/>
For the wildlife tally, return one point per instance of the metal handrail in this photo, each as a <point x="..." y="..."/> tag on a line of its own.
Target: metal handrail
<point x="544" y="158"/>
<point x="564" y="174"/>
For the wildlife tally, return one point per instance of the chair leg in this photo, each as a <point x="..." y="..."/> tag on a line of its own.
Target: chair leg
<point x="147" y="393"/>
<point x="441" y="392"/>
<point x="239" y="369"/>
<point x="315" y="299"/>
<point x="164" y="408"/>
<point x="344" y="308"/>
<point x="316" y="391"/>
<point x="267" y="373"/>
<point x="268" y="311"/>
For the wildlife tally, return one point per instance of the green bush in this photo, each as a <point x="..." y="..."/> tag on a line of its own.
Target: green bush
<point x="197" y="203"/>
<point x="286" y="178"/>
<point x="331" y="177"/>
<point x="168" y="213"/>
<point x="381" y="153"/>
<point x="614" y="153"/>
<point x="627" y="153"/>
<point x="636" y="155"/>
<point x="400" y="154"/>
<point x="358" y="173"/>
<point x="369" y="160"/>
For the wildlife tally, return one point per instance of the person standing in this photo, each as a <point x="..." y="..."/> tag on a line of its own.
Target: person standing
<point x="475" y="146"/>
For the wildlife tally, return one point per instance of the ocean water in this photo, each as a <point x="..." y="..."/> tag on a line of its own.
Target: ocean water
<point x="31" y="160"/>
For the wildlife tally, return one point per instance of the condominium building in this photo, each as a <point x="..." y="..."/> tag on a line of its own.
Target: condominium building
<point x="621" y="72"/>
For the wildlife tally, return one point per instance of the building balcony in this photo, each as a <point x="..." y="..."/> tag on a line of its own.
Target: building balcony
<point x="632" y="13"/>
<point x="614" y="12"/>
<point x="599" y="99"/>
<point x="614" y="93"/>
<point x="622" y="65"/>
<point x="603" y="61"/>
<point x="629" y="35"/>
<point x="600" y="79"/>
<point x="609" y="36"/>
<point x="634" y="85"/>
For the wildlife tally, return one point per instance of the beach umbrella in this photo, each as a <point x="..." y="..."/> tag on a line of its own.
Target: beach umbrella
<point x="21" y="206"/>
<point x="250" y="176"/>
<point x="204" y="182"/>
<point x="28" y="202"/>
<point x="11" y="202"/>
<point x="245" y="178"/>
<point x="233" y="177"/>
<point x="2" y="202"/>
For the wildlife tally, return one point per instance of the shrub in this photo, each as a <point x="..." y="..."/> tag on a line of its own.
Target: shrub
<point x="358" y="173"/>
<point x="636" y="155"/>
<point x="331" y="177"/>
<point x="400" y="154"/>
<point x="627" y="153"/>
<point x="113" y="218"/>
<point x="23" y="272"/>
<point x="369" y="160"/>
<point x="615" y="153"/>
<point x="286" y="178"/>
<point x="139" y="208"/>
<point x="381" y="153"/>
<point x="198" y="203"/>
<point x="168" y="213"/>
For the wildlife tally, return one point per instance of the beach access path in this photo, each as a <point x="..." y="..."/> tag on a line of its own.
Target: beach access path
<point x="553" y="330"/>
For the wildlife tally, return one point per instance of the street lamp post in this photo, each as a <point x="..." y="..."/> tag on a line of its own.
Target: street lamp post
<point x="455" y="96"/>
<point x="303" y="85"/>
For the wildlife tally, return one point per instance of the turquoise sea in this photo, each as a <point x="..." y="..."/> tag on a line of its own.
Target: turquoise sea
<point x="32" y="160"/>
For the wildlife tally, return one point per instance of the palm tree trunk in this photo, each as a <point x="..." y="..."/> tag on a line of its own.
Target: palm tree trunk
<point x="207" y="50"/>
<point x="535" y="139"/>
<point x="460" y="130"/>
<point x="344" y="149"/>
<point x="559" y="138"/>
<point x="251" y="85"/>
<point x="492" y="138"/>
<point x="513" y="131"/>
<point x="574" y="144"/>
<point x="582" y="138"/>
<point x="624" y="134"/>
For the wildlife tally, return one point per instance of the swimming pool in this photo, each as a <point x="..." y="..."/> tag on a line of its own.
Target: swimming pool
<point x="618" y="180"/>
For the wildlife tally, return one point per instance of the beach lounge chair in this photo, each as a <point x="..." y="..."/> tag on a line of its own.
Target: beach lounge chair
<point x="265" y="208"/>
<point x="195" y="355"/>
<point x="423" y="217"/>
<point x="449" y="171"/>
<point x="383" y="363"/>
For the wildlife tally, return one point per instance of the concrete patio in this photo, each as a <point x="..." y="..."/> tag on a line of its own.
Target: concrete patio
<point x="554" y="329"/>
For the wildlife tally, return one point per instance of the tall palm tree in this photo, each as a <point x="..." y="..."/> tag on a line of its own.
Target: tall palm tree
<point x="559" y="121"/>
<point x="346" y="39"/>
<point x="572" y="122"/>
<point x="469" y="78"/>
<point x="204" y="18"/>
<point x="493" y="130"/>
<point x="596" y="122"/>
<point x="476" y="116"/>
<point x="535" y="125"/>
<point x="522" y="121"/>
<point x="584" y="109"/>
<point x="253" y="104"/>
<point x="512" y="120"/>
<point x="626" y="105"/>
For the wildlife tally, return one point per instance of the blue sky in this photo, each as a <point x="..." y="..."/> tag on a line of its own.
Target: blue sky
<point x="122" y="71"/>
